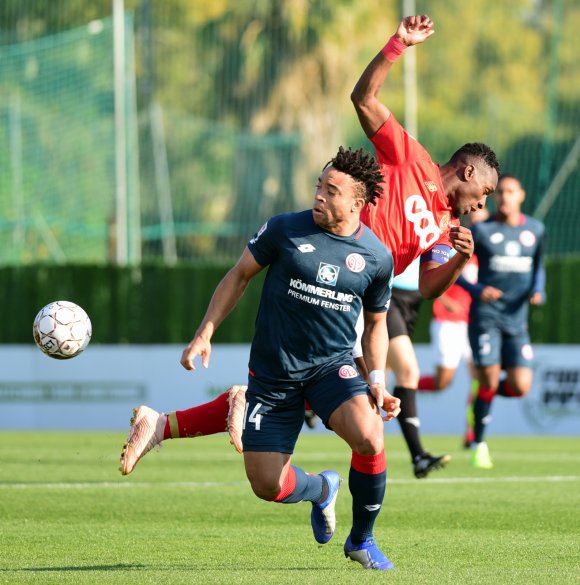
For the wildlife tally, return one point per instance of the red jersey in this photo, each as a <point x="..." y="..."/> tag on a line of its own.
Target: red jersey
<point x="414" y="214"/>
<point x="460" y="297"/>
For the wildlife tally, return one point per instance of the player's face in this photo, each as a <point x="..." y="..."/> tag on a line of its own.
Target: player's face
<point x="509" y="196"/>
<point x="472" y="194"/>
<point x="336" y="202"/>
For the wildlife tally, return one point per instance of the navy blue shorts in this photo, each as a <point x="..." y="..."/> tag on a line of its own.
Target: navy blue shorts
<point x="491" y="345"/>
<point x="275" y="411"/>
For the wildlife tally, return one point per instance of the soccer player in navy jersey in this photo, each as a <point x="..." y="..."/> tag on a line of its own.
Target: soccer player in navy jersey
<point x="417" y="217"/>
<point x="509" y="249"/>
<point x="324" y="268"/>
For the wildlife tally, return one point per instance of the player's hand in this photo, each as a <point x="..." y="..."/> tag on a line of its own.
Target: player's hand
<point x="462" y="240"/>
<point x="378" y="392"/>
<point x="413" y="30"/>
<point x="197" y="346"/>
<point x="490" y="294"/>
<point x="536" y="299"/>
<point x="391" y="405"/>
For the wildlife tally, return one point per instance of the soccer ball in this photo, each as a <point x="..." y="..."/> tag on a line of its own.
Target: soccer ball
<point x="62" y="330"/>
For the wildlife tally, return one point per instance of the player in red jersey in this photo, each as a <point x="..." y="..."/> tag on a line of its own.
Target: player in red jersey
<point x="418" y="216"/>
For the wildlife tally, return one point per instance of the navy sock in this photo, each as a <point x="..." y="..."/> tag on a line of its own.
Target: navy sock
<point x="367" y="484"/>
<point x="481" y="410"/>
<point x="300" y="487"/>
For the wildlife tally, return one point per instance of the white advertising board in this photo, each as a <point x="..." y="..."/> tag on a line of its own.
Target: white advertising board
<point x="98" y="389"/>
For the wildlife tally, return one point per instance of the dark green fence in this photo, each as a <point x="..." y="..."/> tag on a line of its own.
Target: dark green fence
<point x="160" y="304"/>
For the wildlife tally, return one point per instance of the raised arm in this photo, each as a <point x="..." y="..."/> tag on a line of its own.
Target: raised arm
<point x="224" y="299"/>
<point x="372" y="114"/>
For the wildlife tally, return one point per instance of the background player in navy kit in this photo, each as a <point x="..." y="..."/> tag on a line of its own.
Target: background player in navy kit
<point x="324" y="268"/>
<point x="509" y="248"/>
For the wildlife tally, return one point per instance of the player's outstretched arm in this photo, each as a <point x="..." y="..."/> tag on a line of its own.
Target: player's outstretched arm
<point x="224" y="299"/>
<point x="372" y="114"/>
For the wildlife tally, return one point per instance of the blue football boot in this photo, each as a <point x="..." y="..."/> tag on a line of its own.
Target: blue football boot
<point x="323" y="517"/>
<point x="367" y="554"/>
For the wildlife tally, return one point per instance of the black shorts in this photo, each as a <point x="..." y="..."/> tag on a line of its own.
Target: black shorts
<point x="403" y="312"/>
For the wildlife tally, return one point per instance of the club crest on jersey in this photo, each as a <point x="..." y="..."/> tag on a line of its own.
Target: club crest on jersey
<point x="527" y="238"/>
<point x="431" y="186"/>
<point x="355" y="263"/>
<point x="347" y="372"/>
<point x="327" y="274"/>
<point x="527" y="352"/>
<point x="260" y="232"/>
<point x="304" y="248"/>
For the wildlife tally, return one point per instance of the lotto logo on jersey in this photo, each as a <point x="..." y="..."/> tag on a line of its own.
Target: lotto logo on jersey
<point x="260" y="232"/>
<point x="347" y="372"/>
<point x="355" y="263"/>
<point x="327" y="274"/>
<point x="431" y="186"/>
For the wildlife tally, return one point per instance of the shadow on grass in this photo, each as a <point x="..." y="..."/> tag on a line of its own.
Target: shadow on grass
<point x="138" y="567"/>
<point x="121" y="567"/>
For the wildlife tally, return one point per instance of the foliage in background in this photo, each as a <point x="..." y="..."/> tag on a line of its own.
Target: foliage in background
<point x="245" y="100"/>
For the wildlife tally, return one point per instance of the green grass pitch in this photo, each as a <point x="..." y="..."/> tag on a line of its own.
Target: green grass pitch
<point x="187" y="515"/>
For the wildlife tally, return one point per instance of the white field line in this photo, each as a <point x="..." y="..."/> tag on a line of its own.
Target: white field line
<point x="211" y="484"/>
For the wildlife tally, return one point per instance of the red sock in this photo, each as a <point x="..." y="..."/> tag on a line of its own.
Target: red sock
<point x="289" y="485"/>
<point x="506" y="390"/>
<point x="205" y="419"/>
<point x="369" y="464"/>
<point x="427" y="384"/>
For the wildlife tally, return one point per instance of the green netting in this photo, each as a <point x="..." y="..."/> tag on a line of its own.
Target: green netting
<point x="57" y="193"/>
<point x="241" y="102"/>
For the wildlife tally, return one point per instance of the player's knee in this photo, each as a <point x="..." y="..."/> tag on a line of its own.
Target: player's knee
<point x="265" y="489"/>
<point x="369" y="444"/>
<point x="521" y="390"/>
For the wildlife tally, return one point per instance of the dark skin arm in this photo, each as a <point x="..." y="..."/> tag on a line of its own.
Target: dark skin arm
<point x="435" y="278"/>
<point x="372" y="114"/>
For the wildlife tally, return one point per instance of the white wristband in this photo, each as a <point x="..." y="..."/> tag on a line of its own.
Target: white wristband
<point x="377" y="377"/>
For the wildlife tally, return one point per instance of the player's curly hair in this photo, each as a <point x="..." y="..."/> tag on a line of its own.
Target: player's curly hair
<point x="362" y="167"/>
<point x="480" y="151"/>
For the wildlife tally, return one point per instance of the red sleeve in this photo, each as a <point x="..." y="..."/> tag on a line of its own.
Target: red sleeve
<point x="394" y="145"/>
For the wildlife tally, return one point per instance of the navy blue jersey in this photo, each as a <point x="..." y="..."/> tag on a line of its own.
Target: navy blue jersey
<point x="510" y="259"/>
<point x="314" y="290"/>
